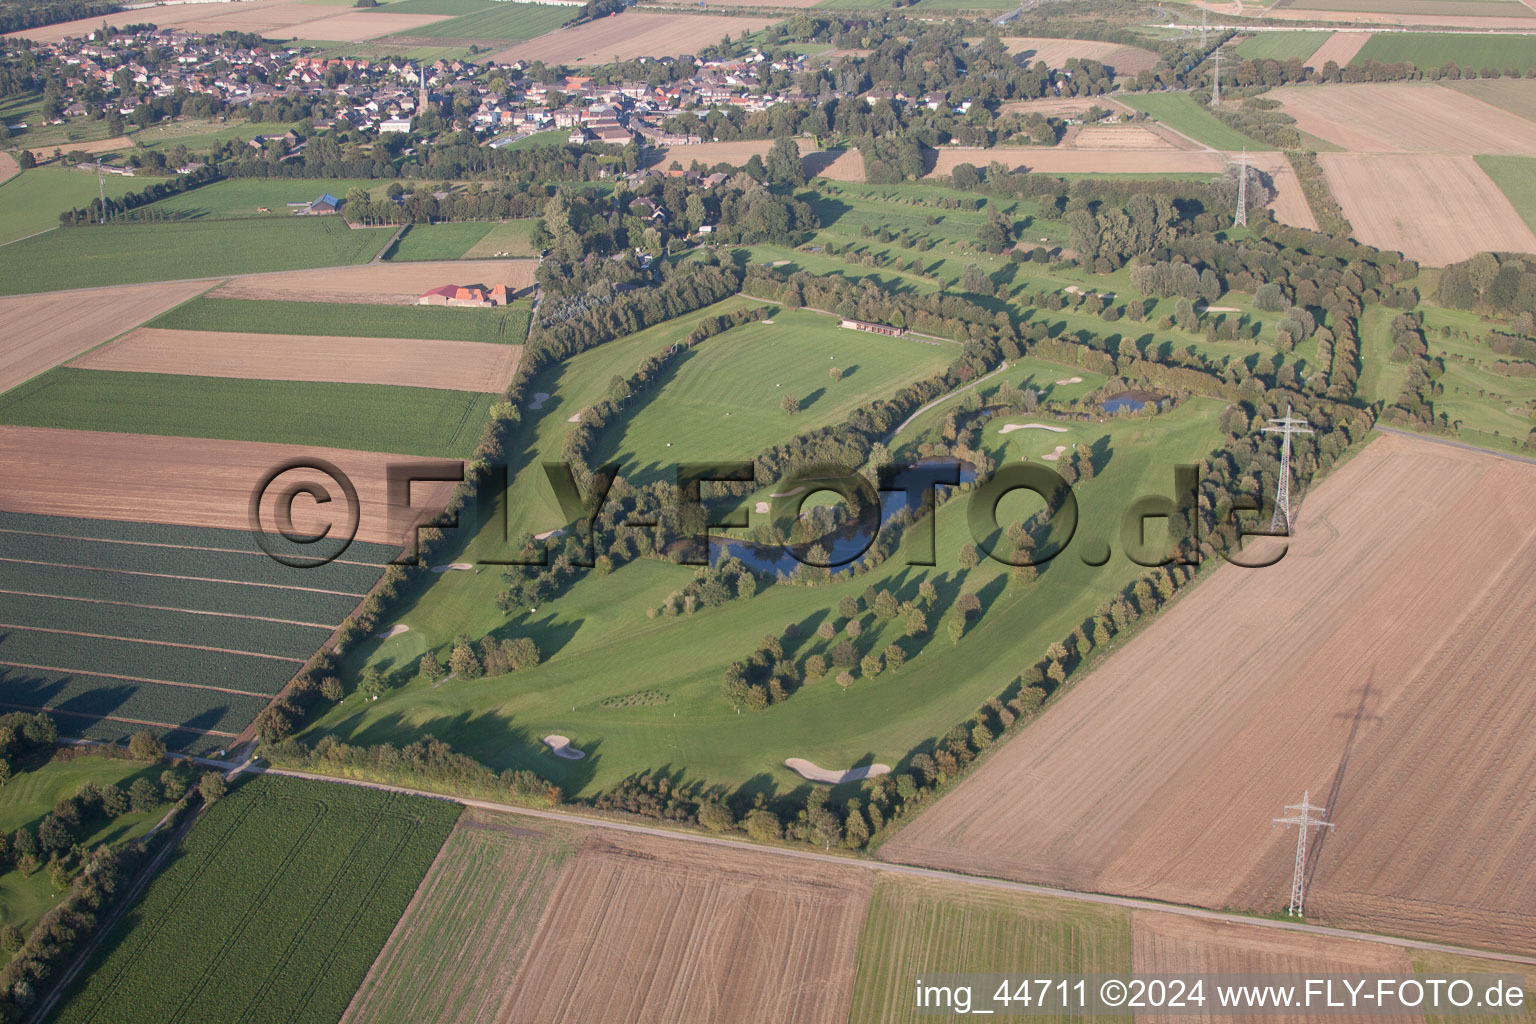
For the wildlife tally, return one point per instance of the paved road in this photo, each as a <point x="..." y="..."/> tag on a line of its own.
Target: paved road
<point x="844" y="861"/>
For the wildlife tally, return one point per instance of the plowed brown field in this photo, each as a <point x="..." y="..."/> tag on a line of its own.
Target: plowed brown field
<point x="1290" y="202"/>
<point x="1383" y="665"/>
<point x="1170" y="944"/>
<point x="454" y="365"/>
<point x="643" y="929"/>
<point x="1437" y="208"/>
<point x="192" y="481"/>
<point x="42" y="331"/>
<point x="1340" y="48"/>
<point x="379" y="282"/>
<point x="633" y="34"/>
<point x="1405" y="117"/>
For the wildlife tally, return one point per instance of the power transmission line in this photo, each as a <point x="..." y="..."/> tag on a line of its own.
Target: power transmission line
<point x="1304" y="820"/>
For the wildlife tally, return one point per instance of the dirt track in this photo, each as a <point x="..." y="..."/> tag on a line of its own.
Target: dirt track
<point x="191" y="481"/>
<point x="379" y="282"/>
<point x="42" y="331"/>
<point x="1358" y="668"/>
<point x="630" y="35"/>
<point x="641" y="929"/>
<point x="1436" y="208"/>
<point x="453" y="365"/>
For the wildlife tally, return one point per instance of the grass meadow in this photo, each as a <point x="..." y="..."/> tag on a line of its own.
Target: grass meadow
<point x="1281" y="45"/>
<point x="366" y="417"/>
<point x="1429" y="50"/>
<point x="1514" y="175"/>
<point x="456" y="240"/>
<point x="599" y="642"/>
<point x="241" y="198"/>
<point x="1182" y="112"/>
<point x="32" y="200"/>
<point x="918" y="927"/>
<point x="274" y="908"/>
<point x="351" y="320"/>
<point x="84" y="257"/>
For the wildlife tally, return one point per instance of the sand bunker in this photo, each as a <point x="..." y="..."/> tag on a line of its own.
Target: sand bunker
<point x="1053" y="456"/>
<point x="539" y="399"/>
<point x="807" y="770"/>
<point x="562" y="748"/>
<point x="575" y="418"/>
<point x="394" y="630"/>
<point x="1222" y="309"/>
<point x="547" y="534"/>
<point x="1070" y="380"/>
<point x="1009" y="428"/>
<point x="762" y="508"/>
<point x="455" y="567"/>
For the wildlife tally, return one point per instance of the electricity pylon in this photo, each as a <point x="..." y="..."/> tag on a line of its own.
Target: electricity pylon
<point x="1287" y="425"/>
<point x="1240" y="218"/>
<point x="1304" y="820"/>
<point x="1216" y="88"/>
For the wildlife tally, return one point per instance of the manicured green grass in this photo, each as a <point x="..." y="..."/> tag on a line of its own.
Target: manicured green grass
<point x="1492" y="408"/>
<point x="1434" y="49"/>
<point x="511" y="23"/>
<point x="721" y="400"/>
<point x="438" y="241"/>
<point x="83" y="257"/>
<point x="553" y="137"/>
<point x="273" y="909"/>
<point x="351" y="320"/>
<point x="600" y="643"/>
<point x="245" y="197"/>
<point x="1281" y="45"/>
<point x="918" y="928"/>
<point x="1381" y="380"/>
<point x="32" y="793"/>
<point x="409" y="421"/>
<point x="1181" y="112"/>
<point x="32" y="200"/>
<point x="1514" y="175"/>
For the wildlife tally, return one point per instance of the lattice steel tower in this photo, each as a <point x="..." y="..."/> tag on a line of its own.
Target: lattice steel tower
<point x="1287" y="425"/>
<point x="1216" y="88"/>
<point x="1240" y="218"/>
<point x="1304" y="820"/>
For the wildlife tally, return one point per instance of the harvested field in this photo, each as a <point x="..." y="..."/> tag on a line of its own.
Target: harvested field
<point x="1516" y="95"/>
<point x="843" y="165"/>
<point x="1290" y="202"/>
<point x="711" y="153"/>
<point x="630" y="35"/>
<point x="9" y="168"/>
<point x="277" y="19"/>
<point x="1407" y="712"/>
<point x="1404" y="117"/>
<point x="1051" y="160"/>
<point x="1065" y="106"/>
<point x="99" y="146"/>
<point x="1491" y="15"/>
<point x="450" y="365"/>
<point x="189" y="481"/>
<point x="1171" y="944"/>
<point x="43" y="331"/>
<point x="462" y="940"/>
<point x="1435" y="208"/>
<point x="1115" y="138"/>
<point x="1340" y="48"/>
<point x="647" y="929"/>
<point x="379" y="282"/>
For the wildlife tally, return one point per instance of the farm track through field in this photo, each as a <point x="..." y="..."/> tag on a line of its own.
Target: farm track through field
<point x="168" y="608"/>
<point x="138" y="679"/>
<point x="173" y="547"/>
<point x="125" y="721"/>
<point x="152" y="643"/>
<point x="198" y="579"/>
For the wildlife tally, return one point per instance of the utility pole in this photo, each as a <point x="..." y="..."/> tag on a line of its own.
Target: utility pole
<point x="1288" y="425"/>
<point x="1240" y="218"/>
<point x="1304" y="820"/>
<point x="1216" y="86"/>
<point x="101" y="189"/>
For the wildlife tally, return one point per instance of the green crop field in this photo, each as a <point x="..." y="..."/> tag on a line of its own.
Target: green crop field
<point x="278" y="902"/>
<point x="351" y="320"/>
<point x="365" y="417"/>
<point x="1514" y="175"/>
<point x="1281" y="45"/>
<point x="84" y="257"/>
<point x="598" y="640"/>
<point x="1181" y="112"/>
<point x="918" y="928"/>
<point x="510" y="23"/>
<point x="721" y="400"/>
<point x="1516" y="95"/>
<point x="1429" y="50"/>
<point x="240" y="198"/>
<point x="455" y="7"/>
<point x="438" y="241"/>
<point x="476" y="915"/>
<point x="127" y="583"/>
<point x="32" y="793"/>
<point x="32" y="201"/>
<point x="514" y="237"/>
